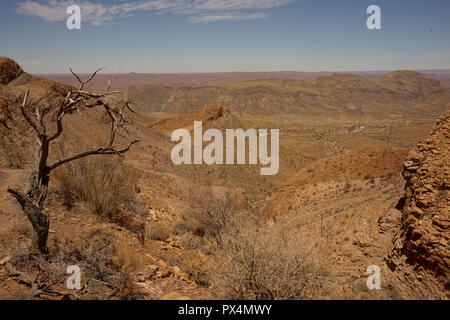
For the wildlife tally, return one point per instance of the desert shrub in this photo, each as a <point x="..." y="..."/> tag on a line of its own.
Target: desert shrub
<point x="180" y="227"/>
<point x="190" y="241"/>
<point x="93" y="250"/>
<point x="196" y="267"/>
<point x="23" y="227"/>
<point x="126" y="286"/>
<point x="128" y="264"/>
<point x="104" y="183"/>
<point x="266" y="263"/>
<point x="13" y="150"/>
<point x="158" y="230"/>
<point x="212" y="216"/>
<point x="136" y="204"/>
<point x="14" y="158"/>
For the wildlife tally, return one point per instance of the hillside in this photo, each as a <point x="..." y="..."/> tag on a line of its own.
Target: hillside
<point x="400" y="94"/>
<point x="213" y="116"/>
<point x="343" y="144"/>
<point x="355" y="221"/>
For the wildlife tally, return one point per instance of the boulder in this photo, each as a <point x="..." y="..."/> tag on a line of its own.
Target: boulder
<point x="9" y="70"/>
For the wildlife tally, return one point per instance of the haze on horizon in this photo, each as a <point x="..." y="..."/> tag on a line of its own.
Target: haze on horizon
<point x="205" y="36"/>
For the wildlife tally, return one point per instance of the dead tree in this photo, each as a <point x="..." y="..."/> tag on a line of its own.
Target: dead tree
<point x="35" y="193"/>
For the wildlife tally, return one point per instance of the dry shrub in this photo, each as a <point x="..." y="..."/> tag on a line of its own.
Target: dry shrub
<point x="196" y="266"/>
<point x="158" y="230"/>
<point x="180" y="227"/>
<point x="266" y="263"/>
<point x="93" y="251"/>
<point x="211" y="216"/>
<point x="14" y="158"/>
<point x="104" y="183"/>
<point x="191" y="241"/>
<point x="128" y="264"/>
<point x="13" y="150"/>
<point x="253" y="258"/>
<point x="23" y="227"/>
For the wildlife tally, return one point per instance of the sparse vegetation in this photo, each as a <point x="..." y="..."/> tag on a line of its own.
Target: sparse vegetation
<point x="211" y="215"/>
<point x="262" y="263"/>
<point x="105" y="184"/>
<point x="158" y="230"/>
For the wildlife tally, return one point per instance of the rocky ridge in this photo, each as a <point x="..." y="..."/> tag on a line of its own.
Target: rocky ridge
<point x="424" y="241"/>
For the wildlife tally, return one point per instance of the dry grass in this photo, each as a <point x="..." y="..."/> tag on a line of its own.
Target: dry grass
<point x="266" y="263"/>
<point x="14" y="155"/>
<point x="158" y="230"/>
<point x="93" y="251"/>
<point x="191" y="241"/>
<point x="196" y="266"/>
<point x="251" y="256"/>
<point x="210" y="215"/>
<point x="128" y="263"/>
<point x="104" y="183"/>
<point x="23" y="227"/>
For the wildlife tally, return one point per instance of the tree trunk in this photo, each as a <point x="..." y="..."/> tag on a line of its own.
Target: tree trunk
<point x="35" y="194"/>
<point x="38" y="218"/>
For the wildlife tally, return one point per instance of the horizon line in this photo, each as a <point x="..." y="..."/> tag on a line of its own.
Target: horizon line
<point x="250" y="72"/>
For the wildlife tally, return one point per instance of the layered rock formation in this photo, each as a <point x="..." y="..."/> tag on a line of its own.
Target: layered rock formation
<point x="425" y="236"/>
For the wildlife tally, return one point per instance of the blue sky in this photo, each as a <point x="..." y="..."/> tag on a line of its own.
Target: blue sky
<point x="226" y="35"/>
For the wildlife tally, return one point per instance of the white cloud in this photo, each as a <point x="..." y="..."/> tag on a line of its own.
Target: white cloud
<point x="198" y="10"/>
<point x="229" y="17"/>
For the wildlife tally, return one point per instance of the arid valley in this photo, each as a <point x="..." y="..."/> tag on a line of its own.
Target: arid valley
<point x="363" y="181"/>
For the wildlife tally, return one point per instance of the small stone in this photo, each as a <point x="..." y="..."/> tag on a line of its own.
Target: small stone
<point x="174" y="296"/>
<point x="140" y="278"/>
<point x="5" y="260"/>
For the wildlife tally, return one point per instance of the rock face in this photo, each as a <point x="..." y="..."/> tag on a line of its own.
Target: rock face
<point x="426" y="211"/>
<point x="9" y="70"/>
<point x="4" y="111"/>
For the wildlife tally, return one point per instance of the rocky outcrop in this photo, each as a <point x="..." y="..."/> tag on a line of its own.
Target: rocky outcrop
<point x="425" y="236"/>
<point x="211" y="116"/>
<point x="9" y="70"/>
<point x="4" y="111"/>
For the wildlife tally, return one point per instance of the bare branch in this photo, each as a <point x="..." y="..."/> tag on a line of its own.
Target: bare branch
<point x="83" y="83"/>
<point x="98" y="151"/>
<point x="76" y="76"/>
<point x="27" y="117"/>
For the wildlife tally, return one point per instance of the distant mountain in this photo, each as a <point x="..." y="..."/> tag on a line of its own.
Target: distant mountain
<point x="339" y="97"/>
<point x="177" y="80"/>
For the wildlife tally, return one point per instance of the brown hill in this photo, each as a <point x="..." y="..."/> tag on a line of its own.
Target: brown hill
<point x="424" y="242"/>
<point x="337" y="97"/>
<point x="341" y="168"/>
<point x="409" y="82"/>
<point x="9" y="70"/>
<point x="207" y="115"/>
